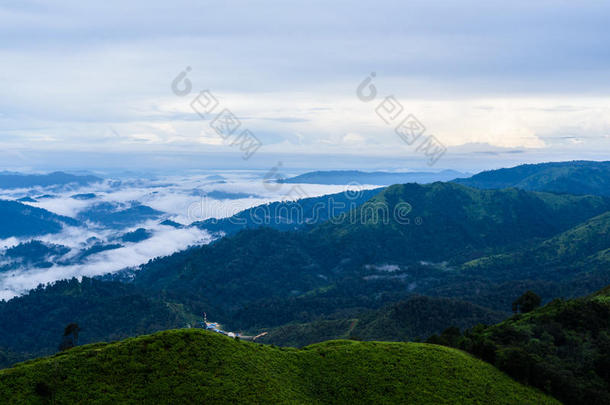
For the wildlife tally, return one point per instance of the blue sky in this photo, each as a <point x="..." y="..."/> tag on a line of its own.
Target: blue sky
<point x="88" y="84"/>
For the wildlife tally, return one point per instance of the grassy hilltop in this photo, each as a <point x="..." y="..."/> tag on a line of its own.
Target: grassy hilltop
<point x="182" y="366"/>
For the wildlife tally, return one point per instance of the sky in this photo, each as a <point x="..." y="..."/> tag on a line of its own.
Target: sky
<point x="91" y="85"/>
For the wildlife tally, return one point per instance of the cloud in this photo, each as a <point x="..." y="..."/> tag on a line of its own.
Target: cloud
<point x="182" y="197"/>
<point x="165" y="241"/>
<point x="292" y="69"/>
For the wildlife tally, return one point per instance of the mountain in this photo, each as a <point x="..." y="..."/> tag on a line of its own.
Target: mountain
<point x="22" y="220"/>
<point x="84" y="196"/>
<point x="572" y="263"/>
<point x="341" y="269"/>
<point x="16" y="180"/>
<point x="577" y="177"/>
<point x="289" y="215"/>
<point x="225" y="195"/>
<point x="194" y="366"/>
<point x="266" y="278"/>
<point x="378" y="178"/>
<point x="445" y="221"/>
<point x="562" y="348"/>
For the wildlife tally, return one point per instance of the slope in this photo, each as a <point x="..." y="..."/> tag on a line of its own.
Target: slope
<point x="343" y="262"/>
<point x="577" y="254"/>
<point x="444" y="221"/>
<point x="22" y="220"/>
<point x="289" y="215"/>
<point x="562" y="348"/>
<point x="577" y="177"/>
<point x="186" y="366"/>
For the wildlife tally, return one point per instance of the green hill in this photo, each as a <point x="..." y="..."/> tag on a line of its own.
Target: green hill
<point x="577" y="177"/>
<point x="187" y="366"/>
<point x="562" y="348"/>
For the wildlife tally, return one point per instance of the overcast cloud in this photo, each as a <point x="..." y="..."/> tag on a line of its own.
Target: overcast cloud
<point x="481" y="75"/>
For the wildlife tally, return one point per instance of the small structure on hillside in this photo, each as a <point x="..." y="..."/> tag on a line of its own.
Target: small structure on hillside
<point x="216" y="327"/>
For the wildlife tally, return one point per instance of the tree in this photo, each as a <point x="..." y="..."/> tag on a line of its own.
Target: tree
<point x="70" y="337"/>
<point x="527" y="302"/>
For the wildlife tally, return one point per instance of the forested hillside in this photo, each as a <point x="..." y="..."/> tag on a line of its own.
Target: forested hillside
<point x="344" y="269"/>
<point x="562" y="348"/>
<point x="578" y="177"/>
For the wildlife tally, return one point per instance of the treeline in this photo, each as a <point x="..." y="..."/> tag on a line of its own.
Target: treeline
<point x="562" y="348"/>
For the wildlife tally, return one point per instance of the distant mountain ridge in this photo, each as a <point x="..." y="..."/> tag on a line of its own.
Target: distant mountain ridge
<point x="576" y="177"/>
<point x="9" y="180"/>
<point x="339" y="177"/>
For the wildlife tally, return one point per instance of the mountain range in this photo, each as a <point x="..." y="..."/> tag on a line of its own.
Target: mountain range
<point x="402" y="263"/>
<point x="9" y="180"/>
<point x="576" y="177"/>
<point x="378" y="178"/>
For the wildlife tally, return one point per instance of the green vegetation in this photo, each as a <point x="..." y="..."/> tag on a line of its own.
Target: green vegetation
<point x="458" y="222"/>
<point x="260" y="279"/>
<point x="186" y="366"/>
<point x="288" y="215"/>
<point x="413" y="319"/>
<point x="562" y="348"/>
<point x="32" y="325"/>
<point x="301" y="276"/>
<point x="578" y="177"/>
<point x="578" y="259"/>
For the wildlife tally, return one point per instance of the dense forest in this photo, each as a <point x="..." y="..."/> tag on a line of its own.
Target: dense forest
<point x="562" y="348"/>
